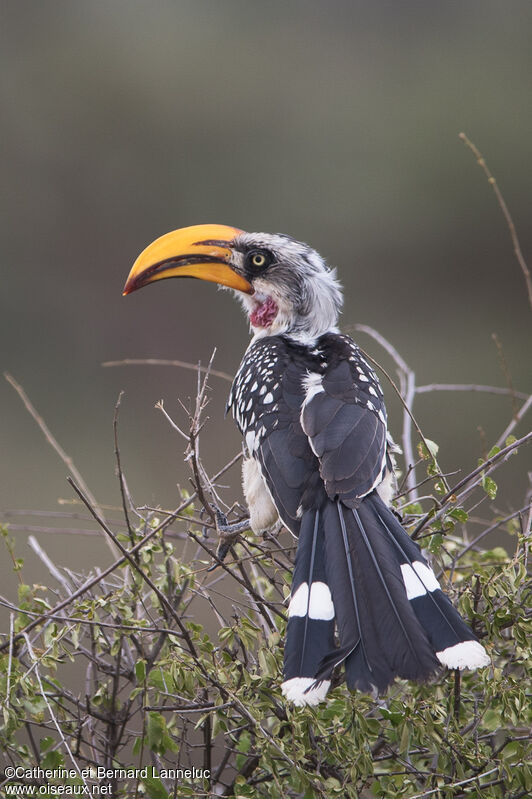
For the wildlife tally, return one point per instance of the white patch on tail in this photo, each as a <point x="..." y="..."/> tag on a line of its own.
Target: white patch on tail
<point x="299" y="601"/>
<point x="418" y="579"/>
<point x="295" y="690"/>
<point x="319" y="606"/>
<point x="466" y="655"/>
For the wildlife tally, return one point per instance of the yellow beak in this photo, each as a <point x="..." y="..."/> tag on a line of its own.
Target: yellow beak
<point x="200" y="251"/>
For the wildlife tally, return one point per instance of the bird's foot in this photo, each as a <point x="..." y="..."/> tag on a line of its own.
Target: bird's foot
<point x="228" y="533"/>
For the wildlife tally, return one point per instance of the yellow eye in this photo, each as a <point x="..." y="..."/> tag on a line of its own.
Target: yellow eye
<point x="258" y="259"/>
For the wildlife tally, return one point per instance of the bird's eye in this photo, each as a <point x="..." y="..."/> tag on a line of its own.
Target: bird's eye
<point x="257" y="261"/>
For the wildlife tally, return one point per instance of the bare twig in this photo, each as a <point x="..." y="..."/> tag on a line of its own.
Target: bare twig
<point x="126" y="499"/>
<point x="67" y="460"/>
<point x="515" y="421"/>
<point x="506" y="213"/>
<point x="52" y="568"/>
<point x="470" y="387"/>
<point x="160" y="407"/>
<point x="161" y="362"/>
<point x="506" y="370"/>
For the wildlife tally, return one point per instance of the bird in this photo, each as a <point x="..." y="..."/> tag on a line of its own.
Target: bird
<point x="319" y="460"/>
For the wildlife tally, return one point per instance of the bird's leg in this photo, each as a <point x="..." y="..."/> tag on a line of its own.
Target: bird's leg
<point x="228" y="533"/>
<point x="273" y="531"/>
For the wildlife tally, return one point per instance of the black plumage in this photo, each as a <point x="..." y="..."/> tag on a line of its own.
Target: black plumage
<point x="320" y="439"/>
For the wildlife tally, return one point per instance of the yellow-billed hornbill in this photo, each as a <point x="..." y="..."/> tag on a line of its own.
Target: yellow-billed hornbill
<point x="312" y="413"/>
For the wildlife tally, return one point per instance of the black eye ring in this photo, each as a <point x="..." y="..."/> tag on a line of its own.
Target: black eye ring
<point x="257" y="261"/>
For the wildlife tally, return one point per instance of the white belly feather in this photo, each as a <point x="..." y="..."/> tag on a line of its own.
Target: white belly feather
<point x="262" y="512"/>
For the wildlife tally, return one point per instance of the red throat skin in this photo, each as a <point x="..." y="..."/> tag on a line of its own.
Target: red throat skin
<point x="264" y="313"/>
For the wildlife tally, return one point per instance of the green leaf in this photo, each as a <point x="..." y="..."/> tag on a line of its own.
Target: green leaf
<point x="427" y="449"/>
<point x="435" y="543"/>
<point x="404" y="743"/>
<point x="154" y="788"/>
<point x="157" y="736"/>
<point x="45" y="743"/>
<point x="489" y="486"/>
<point x="24" y="594"/>
<point x="140" y="670"/>
<point x="459" y="514"/>
<point x="53" y="759"/>
<point x="156" y="730"/>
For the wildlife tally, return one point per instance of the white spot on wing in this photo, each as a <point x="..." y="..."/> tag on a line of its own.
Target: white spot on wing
<point x="250" y="441"/>
<point x="312" y="383"/>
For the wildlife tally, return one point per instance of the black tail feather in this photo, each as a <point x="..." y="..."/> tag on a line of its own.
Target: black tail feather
<point x="441" y="621"/>
<point x="395" y="609"/>
<point x="392" y="618"/>
<point x="310" y="629"/>
<point x="351" y="649"/>
<point x="306" y="618"/>
<point x="377" y="626"/>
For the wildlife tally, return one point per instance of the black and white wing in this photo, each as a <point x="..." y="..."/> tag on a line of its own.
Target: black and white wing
<point x="344" y="417"/>
<point x="392" y="617"/>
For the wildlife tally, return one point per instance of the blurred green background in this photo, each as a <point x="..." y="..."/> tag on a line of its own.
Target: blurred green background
<point x="335" y="122"/>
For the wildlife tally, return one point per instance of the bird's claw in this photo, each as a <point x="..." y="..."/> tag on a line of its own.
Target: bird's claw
<point x="228" y="534"/>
